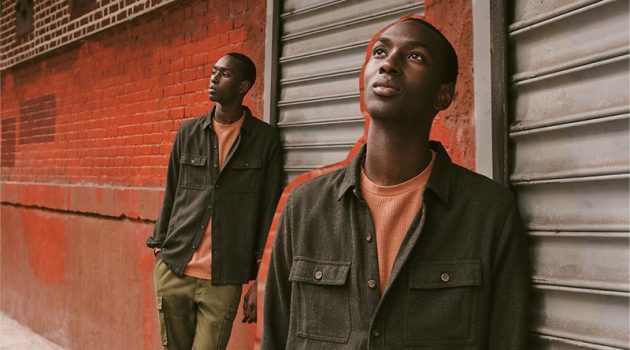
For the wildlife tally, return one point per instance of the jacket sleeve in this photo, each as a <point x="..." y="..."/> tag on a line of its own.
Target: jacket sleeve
<point x="172" y="176"/>
<point x="277" y="308"/>
<point x="510" y="286"/>
<point x="270" y="193"/>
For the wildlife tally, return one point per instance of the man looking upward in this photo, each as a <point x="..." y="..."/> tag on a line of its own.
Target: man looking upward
<point x="401" y="248"/>
<point x="222" y="187"/>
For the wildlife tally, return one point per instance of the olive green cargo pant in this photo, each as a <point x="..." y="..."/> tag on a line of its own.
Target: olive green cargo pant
<point x="193" y="313"/>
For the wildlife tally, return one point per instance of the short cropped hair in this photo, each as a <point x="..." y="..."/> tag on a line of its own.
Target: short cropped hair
<point x="450" y="56"/>
<point x="249" y="68"/>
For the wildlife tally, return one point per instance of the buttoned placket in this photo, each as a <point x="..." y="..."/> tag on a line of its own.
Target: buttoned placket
<point x="215" y="173"/>
<point x="212" y="157"/>
<point x="376" y="329"/>
<point x="368" y="280"/>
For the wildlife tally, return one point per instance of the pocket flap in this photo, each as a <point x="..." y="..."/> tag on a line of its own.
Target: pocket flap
<point x="192" y="159"/>
<point x="448" y="274"/>
<point x="322" y="272"/>
<point x="247" y="164"/>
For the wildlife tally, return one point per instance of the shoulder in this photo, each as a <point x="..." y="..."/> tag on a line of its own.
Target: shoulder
<point x="263" y="128"/>
<point x="191" y="125"/>
<point x="473" y="185"/>
<point x="321" y="190"/>
<point x="189" y="130"/>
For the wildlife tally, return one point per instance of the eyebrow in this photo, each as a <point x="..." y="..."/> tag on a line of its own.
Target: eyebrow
<point x="221" y="68"/>
<point x="387" y="41"/>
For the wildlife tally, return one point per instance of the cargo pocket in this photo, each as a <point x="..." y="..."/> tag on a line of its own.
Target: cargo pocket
<point x="323" y="299"/>
<point x="163" y="335"/>
<point x="442" y="303"/>
<point x="228" y="322"/>
<point x="193" y="171"/>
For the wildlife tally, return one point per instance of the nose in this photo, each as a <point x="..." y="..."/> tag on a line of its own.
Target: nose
<point x="214" y="78"/>
<point x="389" y="65"/>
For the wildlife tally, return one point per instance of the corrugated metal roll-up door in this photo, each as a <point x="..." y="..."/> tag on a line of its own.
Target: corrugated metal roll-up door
<point x="569" y="164"/>
<point x="323" y="44"/>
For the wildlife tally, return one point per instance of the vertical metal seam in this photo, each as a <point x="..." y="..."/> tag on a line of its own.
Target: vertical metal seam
<point x="482" y="81"/>
<point x="270" y="89"/>
<point x="498" y="65"/>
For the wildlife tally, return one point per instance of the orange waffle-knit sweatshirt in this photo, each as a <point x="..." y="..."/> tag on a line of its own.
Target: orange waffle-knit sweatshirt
<point x="200" y="264"/>
<point x="393" y="209"/>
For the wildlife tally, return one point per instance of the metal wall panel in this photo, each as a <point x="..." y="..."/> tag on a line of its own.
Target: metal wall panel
<point x="323" y="46"/>
<point x="586" y="315"/>
<point x="545" y="47"/>
<point x="569" y="161"/>
<point x="546" y="342"/>
<point x="528" y="12"/>
<point x="593" y="147"/>
<point x="597" y="260"/>
<point x="585" y="92"/>
<point x="579" y="204"/>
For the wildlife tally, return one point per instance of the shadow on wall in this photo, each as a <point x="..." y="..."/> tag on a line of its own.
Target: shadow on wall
<point x="36" y="124"/>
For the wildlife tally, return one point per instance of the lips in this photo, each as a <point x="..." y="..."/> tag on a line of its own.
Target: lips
<point x="385" y="88"/>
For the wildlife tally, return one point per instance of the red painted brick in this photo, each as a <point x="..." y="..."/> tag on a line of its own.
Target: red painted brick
<point x="121" y="95"/>
<point x="455" y="126"/>
<point x="237" y="36"/>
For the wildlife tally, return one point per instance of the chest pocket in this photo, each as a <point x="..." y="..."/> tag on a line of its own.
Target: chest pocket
<point x="245" y="175"/>
<point x="442" y="303"/>
<point x="323" y="300"/>
<point x="193" y="172"/>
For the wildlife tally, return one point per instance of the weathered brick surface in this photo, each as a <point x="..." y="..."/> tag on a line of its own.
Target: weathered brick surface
<point x="117" y="98"/>
<point x="83" y="282"/>
<point x="86" y="134"/>
<point x="455" y="127"/>
<point x="56" y="25"/>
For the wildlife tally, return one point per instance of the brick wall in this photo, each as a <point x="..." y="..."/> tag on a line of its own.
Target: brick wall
<point x="59" y="22"/>
<point x="86" y="131"/>
<point x="106" y="109"/>
<point x="455" y="127"/>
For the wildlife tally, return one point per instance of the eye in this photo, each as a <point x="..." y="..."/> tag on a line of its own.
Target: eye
<point x="226" y="74"/>
<point x="416" y="56"/>
<point x="379" y="52"/>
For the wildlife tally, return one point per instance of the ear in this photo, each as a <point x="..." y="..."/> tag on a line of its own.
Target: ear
<point x="244" y="87"/>
<point x="444" y="97"/>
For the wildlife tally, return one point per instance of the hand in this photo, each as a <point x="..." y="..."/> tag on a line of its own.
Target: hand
<point x="249" y="304"/>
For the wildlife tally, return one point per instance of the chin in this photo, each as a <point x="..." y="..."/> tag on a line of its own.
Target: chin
<point x="380" y="111"/>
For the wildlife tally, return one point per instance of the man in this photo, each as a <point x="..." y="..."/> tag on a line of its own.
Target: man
<point x="401" y="248"/>
<point x="222" y="187"/>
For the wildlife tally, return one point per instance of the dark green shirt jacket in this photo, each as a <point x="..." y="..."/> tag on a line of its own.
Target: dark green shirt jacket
<point x="460" y="280"/>
<point x="241" y="198"/>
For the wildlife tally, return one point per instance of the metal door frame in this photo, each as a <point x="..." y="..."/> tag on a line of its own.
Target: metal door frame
<point x="272" y="51"/>
<point x="490" y="89"/>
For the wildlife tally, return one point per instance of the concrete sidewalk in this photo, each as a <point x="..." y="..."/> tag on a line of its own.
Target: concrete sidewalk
<point x="14" y="336"/>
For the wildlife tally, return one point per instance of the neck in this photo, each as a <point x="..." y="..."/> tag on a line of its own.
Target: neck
<point x="395" y="155"/>
<point x="228" y="114"/>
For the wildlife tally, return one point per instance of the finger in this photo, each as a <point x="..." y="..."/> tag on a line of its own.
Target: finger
<point x="252" y="314"/>
<point x="247" y="314"/>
